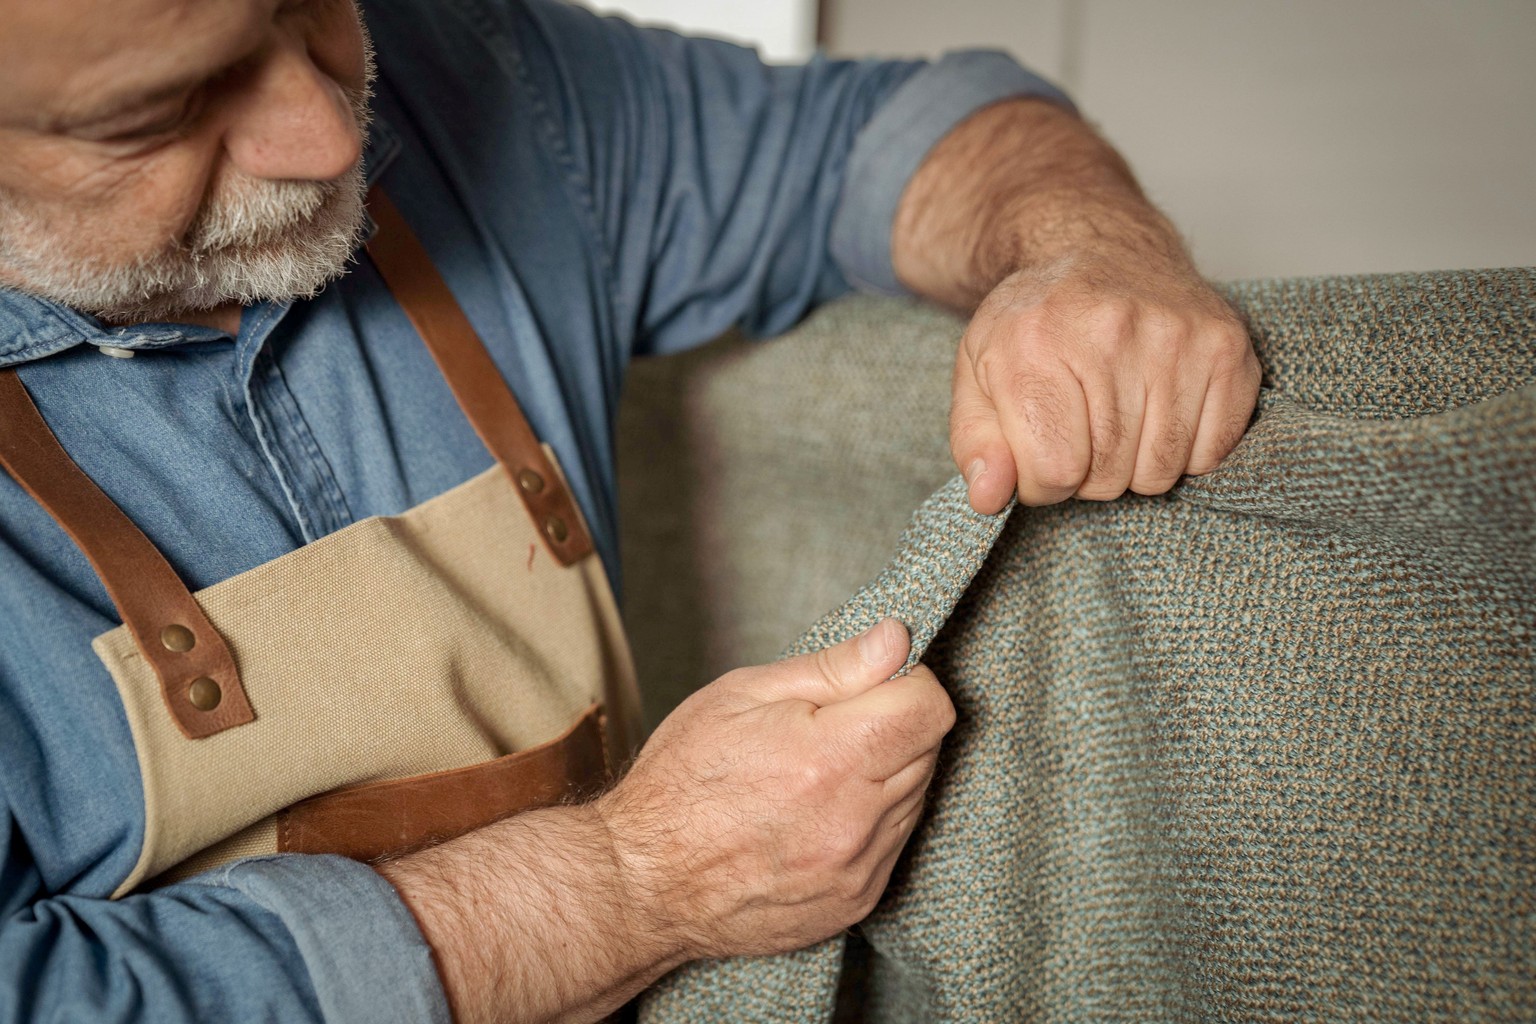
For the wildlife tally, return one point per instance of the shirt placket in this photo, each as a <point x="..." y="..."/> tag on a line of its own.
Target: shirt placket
<point x="292" y="451"/>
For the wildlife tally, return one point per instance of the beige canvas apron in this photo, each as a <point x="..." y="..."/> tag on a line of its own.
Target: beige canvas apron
<point x="398" y="682"/>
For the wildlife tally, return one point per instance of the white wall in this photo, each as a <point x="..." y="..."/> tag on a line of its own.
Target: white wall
<point x="782" y="30"/>
<point x="1304" y="137"/>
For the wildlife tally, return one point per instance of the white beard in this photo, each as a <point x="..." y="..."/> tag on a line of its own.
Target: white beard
<point x="252" y="240"/>
<point x="255" y="240"/>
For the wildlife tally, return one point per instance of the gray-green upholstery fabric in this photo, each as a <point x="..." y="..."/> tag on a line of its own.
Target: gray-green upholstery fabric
<point x="1260" y="749"/>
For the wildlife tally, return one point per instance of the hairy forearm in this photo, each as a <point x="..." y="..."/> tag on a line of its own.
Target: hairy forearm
<point x="1022" y="184"/>
<point x="530" y="919"/>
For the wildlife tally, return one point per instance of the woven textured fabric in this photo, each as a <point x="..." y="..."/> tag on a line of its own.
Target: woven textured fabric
<point x="1260" y="749"/>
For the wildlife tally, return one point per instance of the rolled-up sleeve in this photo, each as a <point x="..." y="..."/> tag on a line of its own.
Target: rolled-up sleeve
<point x="286" y="938"/>
<point x="891" y="146"/>
<point x="361" y="947"/>
<point x="726" y="192"/>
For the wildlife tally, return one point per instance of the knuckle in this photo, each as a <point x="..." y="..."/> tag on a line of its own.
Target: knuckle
<point x="868" y="898"/>
<point x="875" y="731"/>
<point x="812" y="780"/>
<point x="1035" y="395"/>
<point x="843" y="845"/>
<point x="1153" y="482"/>
<point x="970" y="433"/>
<point x="1232" y="363"/>
<point x="1150" y="485"/>
<point x="824" y="664"/>
<point x="1111" y="322"/>
<point x="1109" y="432"/>
<point x="1109" y="462"/>
<point x="1059" y="469"/>
<point x="734" y="679"/>
<point x="1253" y="370"/>
<point x="850" y="890"/>
<point x="933" y="701"/>
<point x="1227" y="439"/>
<point x="944" y="714"/>
<point x="1170" y="450"/>
<point x="1101" y="490"/>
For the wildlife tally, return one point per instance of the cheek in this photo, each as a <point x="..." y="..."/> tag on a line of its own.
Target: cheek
<point x="114" y="208"/>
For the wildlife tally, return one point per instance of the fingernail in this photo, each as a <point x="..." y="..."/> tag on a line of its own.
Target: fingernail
<point x="875" y="644"/>
<point x="974" y="470"/>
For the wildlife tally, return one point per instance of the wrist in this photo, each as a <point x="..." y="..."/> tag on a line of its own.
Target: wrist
<point x="647" y="898"/>
<point x="659" y="911"/>
<point x="531" y="918"/>
<point x="1059" y="232"/>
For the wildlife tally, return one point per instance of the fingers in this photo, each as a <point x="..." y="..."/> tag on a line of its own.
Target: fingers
<point x="913" y="777"/>
<point x="888" y="838"/>
<point x="1116" y="407"/>
<point x="839" y="672"/>
<point x="1044" y="410"/>
<point x="886" y="728"/>
<point x="977" y="442"/>
<point x="1167" y="434"/>
<point x="1228" y="407"/>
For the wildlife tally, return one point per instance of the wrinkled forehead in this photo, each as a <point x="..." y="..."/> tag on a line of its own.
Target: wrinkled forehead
<point x="60" y="58"/>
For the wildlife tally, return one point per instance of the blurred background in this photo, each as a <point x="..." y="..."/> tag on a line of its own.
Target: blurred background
<point x="1296" y="138"/>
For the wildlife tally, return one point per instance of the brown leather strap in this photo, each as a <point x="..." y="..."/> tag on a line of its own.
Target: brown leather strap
<point x="382" y="819"/>
<point x="487" y="402"/>
<point x="198" y="678"/>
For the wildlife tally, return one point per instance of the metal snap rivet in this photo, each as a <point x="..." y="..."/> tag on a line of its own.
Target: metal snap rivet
<point x="529" y="481"/>
<point x="204" y="694"/>
<point x="556" y="528"/>
<point x="177" y="638"/>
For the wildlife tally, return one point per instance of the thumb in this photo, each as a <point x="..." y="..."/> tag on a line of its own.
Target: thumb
<point x="843" y="670"/>
<point x="977" y="442"/>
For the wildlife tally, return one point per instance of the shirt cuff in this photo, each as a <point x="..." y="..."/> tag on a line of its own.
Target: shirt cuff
<point x="889" y="149"/>
<point x="366" y="956"/>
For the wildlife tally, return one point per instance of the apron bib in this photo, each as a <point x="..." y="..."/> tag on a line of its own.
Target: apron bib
<point x="396" y="683"/>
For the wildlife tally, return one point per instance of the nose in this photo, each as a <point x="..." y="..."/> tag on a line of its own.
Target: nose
<point x="293" y="122"/>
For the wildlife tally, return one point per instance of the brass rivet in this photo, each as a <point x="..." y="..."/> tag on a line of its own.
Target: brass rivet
<point x="555" y="527"/>
<point x="529" y="481"/>
<point x="204" y="694"/>
<point x="177" y="638"/>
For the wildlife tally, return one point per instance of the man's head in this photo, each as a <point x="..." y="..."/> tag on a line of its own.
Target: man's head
<point x="164" y="156"/>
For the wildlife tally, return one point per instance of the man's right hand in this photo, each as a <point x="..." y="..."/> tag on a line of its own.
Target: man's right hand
<point x="764" y="814"/>
<point x="767" y="811"/>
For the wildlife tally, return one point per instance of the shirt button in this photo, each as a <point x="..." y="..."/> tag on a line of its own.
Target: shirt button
<point x="115" y="352"/>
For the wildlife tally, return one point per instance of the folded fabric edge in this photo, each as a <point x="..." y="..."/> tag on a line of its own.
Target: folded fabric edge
<point x="940" y="552"/>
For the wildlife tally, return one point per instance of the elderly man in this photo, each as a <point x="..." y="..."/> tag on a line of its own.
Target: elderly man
<point x="298" y="674"/>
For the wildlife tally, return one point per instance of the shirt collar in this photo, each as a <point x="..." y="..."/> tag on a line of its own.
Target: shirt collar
<point x="34" y="328"/>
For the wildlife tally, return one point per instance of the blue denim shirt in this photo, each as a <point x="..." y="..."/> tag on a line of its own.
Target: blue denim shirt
<point x="591" y="191"/>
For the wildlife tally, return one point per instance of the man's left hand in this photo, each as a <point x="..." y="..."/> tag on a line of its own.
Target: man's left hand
<point x="1092" y="377"/>
<point x="1097" y="359"/>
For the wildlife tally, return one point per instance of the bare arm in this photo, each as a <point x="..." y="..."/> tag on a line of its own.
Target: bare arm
<point x="1098" y="360"/>
<point x="529" y="919"/>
